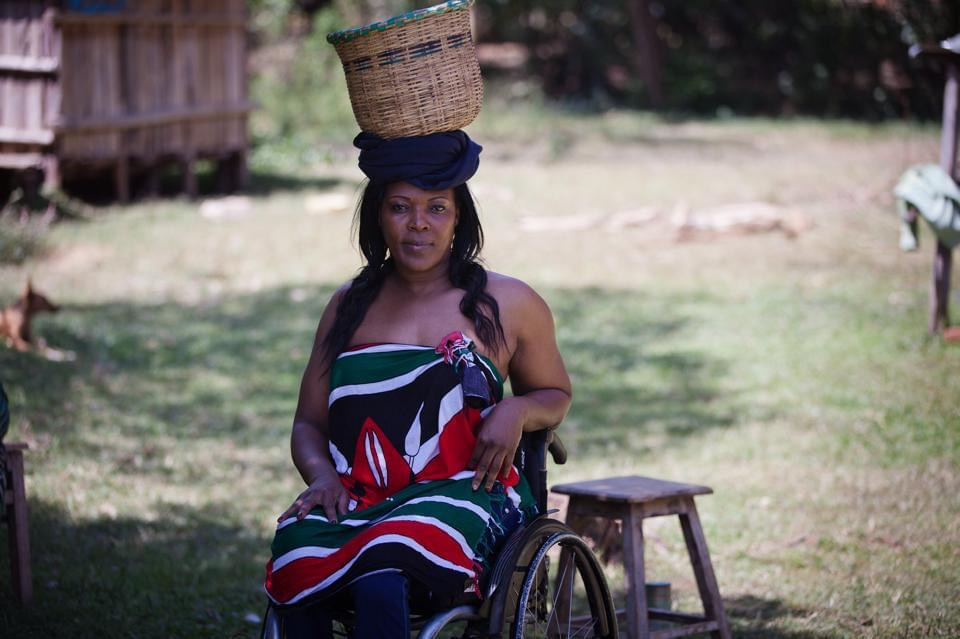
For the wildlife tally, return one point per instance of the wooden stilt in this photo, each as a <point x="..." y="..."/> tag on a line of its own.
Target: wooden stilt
<point x="121" y="177"/>
<point x="242" y="177"/>
<point x="943" y="259"/>
<point x="154" y="171"/>
<point x="189" y="176"/>
<point x="226" y="174"/>
<point x="51" y="172"/>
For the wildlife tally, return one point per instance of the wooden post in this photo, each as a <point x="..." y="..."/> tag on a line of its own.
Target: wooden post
<point x="943" y="259"/>
<point x="154" y="169"/>
<point x="51" y="172"/>
<point x="18" y="536"/>
<point x="188" y="162"/>
<point x="242" y="172"/>
<point x="121" y="176"/>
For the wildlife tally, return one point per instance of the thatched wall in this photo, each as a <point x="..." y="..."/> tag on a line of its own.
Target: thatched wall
<point x="131" y="83"/>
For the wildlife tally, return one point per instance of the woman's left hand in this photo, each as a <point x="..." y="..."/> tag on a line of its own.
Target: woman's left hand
<point x="497" y="442"/>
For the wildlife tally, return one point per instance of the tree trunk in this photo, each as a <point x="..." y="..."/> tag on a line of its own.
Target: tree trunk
<point x="647" y="60"/>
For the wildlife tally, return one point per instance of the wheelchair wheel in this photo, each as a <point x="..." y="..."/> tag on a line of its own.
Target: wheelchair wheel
<point x="554" y="587"/>
<point x="271" y="628"/>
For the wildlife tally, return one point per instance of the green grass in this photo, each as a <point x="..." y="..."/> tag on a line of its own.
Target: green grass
<point x="792" y="376"/>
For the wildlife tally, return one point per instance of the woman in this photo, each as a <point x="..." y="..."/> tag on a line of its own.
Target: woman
<point x="401" y="432"/>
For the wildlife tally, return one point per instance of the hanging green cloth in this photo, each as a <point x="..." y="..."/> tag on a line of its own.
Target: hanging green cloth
<point x="934" y="194"/>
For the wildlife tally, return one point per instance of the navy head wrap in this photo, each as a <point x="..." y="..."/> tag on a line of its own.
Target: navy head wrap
<point x="430" y="162"/>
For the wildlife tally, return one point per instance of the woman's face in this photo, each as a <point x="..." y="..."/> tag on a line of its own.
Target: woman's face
<point x="418" y="226"/>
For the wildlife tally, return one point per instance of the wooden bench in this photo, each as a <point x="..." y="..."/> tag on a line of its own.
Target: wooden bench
<point x="18" y="538"/>
<point x="631" y="500"/>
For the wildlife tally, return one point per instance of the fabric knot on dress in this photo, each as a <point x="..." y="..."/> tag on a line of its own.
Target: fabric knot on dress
<point x="458" y="351"/>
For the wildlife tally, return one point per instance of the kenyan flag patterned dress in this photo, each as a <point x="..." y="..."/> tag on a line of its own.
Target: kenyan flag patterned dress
<point x="403" y="424"/>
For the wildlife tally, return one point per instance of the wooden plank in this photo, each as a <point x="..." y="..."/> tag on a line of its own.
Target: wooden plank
<point x="33" y="103"/>
<point x="20" y="160"/>
<point x="686" y="630"/>
<point x="676" y="616"/>
<point x="6" y="104"/>
<point x="933" y="51"/>
<point x="588" y="507"/>
<point x="21" y="36"/>
<point x="170" y="116"/>
<point x="26" y="136"/>
<point x="175" y="81"/>
<point x="69" y="20"/>
<point x="28" y="64"/>
<point x="632" y="489"/>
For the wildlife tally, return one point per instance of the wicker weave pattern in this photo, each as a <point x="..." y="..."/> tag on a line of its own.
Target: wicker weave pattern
<point x="415" y="74"/>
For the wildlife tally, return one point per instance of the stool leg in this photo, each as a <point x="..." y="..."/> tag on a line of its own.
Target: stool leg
<point x="18" y="536"/>
<point x="638" y="621"/>
<point x="562" y="583"/>
<point x="703" y="569"/>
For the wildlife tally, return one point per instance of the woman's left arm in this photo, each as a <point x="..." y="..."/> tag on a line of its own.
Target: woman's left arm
<point x="541" y="387"/>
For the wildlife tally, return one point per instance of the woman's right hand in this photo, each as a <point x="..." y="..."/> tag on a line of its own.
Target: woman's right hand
<point x="326" y="491"/>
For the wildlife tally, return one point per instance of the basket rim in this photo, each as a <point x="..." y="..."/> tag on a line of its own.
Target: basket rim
<point x="346" y="35"/>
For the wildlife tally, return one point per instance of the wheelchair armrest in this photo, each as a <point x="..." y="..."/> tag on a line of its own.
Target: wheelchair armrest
<point x="531" y="460"/>
<point x="557" y="450"/>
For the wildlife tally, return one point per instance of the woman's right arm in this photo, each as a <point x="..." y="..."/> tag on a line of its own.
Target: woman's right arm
<point x="309" y="443"/>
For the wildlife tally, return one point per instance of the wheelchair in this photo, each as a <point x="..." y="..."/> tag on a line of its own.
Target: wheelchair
<point x="544" y="582"/>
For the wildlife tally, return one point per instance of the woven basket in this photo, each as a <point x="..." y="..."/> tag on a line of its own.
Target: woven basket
<point x="414" y="74"/>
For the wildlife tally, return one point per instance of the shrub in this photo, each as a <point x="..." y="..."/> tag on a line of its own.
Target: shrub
<point x="22" y="235"/>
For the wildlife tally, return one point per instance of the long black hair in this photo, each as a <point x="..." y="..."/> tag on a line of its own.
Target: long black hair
<point x="465" y="272"/>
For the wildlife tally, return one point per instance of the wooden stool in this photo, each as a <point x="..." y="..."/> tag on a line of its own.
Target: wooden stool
<point x="632" y="499"/>
<point x="15" y="505"/>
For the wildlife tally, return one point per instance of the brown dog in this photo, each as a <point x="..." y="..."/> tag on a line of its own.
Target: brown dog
<point x="15" y="319"/>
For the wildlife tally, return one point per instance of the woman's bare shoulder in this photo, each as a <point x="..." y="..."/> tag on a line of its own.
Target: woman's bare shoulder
<point x="512" y="294"/>
<point x="330" y="311"/>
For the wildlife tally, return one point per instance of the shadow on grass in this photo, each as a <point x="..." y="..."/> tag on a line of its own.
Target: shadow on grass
<point x="230" y="368"/>
<point x="754" y="617"/>
<point x="265" y="182"/>
<point x="189" y="573"/>
<point x="637" y="385"/>
<point x="97" y="188"/>
<point x="225" y="369"/>
<point x="212" y="387"/>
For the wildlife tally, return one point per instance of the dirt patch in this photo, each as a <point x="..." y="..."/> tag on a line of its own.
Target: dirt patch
<point x="78" y="257"/>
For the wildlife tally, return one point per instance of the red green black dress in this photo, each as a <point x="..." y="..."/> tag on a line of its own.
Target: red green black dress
<point x="403" y="424"/>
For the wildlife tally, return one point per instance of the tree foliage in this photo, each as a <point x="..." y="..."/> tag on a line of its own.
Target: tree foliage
<point x="843" y="58"/>
<point x="822" y="57"/>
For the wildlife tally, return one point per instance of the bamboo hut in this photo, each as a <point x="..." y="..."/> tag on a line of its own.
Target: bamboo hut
<point x="128" y="86"/>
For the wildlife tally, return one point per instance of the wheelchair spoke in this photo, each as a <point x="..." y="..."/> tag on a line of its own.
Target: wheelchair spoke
<point x="568" y="602"/>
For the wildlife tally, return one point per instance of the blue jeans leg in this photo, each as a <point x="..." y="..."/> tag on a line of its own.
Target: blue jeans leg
<point x="312" y="622"/>
<point x="382" y="606"/>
